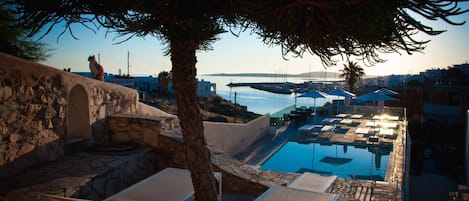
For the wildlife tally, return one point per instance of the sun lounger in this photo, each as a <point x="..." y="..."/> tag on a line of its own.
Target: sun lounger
<point x="308" y="129"/>
<point x="167" y="185"/>
<point x="282" y="193"/>
<point x="342" y="115"/>
<point x="356" y="116"/>
<point x="388" y="124"/>
<point x="373" y="140"/>
<point x="362" y="130"/>
<point x="346" y="121"/>
<point x="386" y="132"/>
<point x="371" y="124"/>
<point x="330" y="120"/>
<point x="386" y="117"/>
<point x="328" y="128"/>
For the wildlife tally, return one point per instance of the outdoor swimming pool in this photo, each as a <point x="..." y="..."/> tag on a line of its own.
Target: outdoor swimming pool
<point x="344" y="161"/>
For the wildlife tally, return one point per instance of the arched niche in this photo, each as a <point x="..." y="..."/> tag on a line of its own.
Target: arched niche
<point x="78" y="120"/>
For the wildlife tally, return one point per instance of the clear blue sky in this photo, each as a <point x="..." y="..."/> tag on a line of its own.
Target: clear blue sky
<point x="246" y="53"/>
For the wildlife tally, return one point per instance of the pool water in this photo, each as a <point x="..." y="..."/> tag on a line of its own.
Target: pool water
<point x="344" y="161"/>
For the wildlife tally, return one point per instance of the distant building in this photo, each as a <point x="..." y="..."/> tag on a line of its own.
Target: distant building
<point x="433" y="74"/>
<point x="204" y="88"/>
<point x="463" y="67"/>
<point x="145" y="84"/>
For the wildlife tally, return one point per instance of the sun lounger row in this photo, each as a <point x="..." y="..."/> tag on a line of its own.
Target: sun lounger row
<point x="384" y="132"/>
<point x="353" y="116"/>
<point x="381" y="124"/>
<point x="309" y="129"/>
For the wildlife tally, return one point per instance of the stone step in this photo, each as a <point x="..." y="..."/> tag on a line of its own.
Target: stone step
<point x="76" y="145"/>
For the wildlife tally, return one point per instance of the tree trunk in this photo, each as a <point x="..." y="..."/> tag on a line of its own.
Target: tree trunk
<point x="183" y="61"/>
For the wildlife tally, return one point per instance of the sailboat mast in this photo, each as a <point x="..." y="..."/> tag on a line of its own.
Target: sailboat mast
<point x="128" y="65"/>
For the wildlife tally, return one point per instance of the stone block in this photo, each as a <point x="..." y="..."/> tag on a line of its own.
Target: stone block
<point x="49" y="112"/>
<point x="150" y="137"/>
<point x="131" y="167"/>
<point x="120" y="137"/>
<point x="5" y="92"/>
<point x="25" y="148"/>
<point x="13" y="117"/>
<point x="15" y="137"/>
<point x="112" y="187"/>
<point x="99" y="184"/>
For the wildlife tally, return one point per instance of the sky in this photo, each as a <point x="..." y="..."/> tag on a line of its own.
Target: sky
<point x="244" y="54"/>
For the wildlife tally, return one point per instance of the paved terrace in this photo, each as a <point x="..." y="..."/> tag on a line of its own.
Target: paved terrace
<point x="344" y="133"/>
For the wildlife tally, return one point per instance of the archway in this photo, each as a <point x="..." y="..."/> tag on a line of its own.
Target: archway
<point x="78" y="119"/>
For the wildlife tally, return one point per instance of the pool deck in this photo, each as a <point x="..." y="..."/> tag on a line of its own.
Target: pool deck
<point x="348" y="189"/>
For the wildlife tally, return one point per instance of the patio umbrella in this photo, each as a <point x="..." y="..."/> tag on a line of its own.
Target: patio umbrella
<point x="386" y="92"/>
<point x="313" y="94"/>
<point x="343" y="93"/>
<point x="373" y="96"/>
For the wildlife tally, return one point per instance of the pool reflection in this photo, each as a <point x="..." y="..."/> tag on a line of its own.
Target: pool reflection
<point x="345" y="161"/>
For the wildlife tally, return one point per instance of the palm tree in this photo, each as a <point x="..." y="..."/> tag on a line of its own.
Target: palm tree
<point x="352" y="72"/>
<point x="324" y="28"/>
<point x="163" y="81"/>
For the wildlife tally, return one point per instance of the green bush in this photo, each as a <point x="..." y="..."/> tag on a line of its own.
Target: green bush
<point x="217" y="99"/>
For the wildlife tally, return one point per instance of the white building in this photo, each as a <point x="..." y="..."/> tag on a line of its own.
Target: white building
<point x="204" y="88"/>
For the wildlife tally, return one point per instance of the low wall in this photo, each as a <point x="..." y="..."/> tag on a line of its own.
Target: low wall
<point x="138" y="128"/>
<point x="43" y="107"/>
<point x="234" y="138"/>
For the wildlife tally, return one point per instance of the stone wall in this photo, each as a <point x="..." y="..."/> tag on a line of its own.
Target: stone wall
<point x="234" y="138"/>
<point x="36" y="117"/>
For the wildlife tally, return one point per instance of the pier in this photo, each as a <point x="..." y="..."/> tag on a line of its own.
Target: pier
<point x="288" y="87"/>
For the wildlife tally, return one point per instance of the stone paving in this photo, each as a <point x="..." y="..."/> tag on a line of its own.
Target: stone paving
<point x="86" y="175"/>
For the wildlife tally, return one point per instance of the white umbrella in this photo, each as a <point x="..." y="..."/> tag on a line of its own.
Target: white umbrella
<point x="313" y="94"/>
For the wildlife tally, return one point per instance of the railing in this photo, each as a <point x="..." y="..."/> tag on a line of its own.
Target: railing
<point x="372" y="110"/>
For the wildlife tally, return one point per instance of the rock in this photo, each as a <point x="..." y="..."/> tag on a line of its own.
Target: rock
<point x="3" y="130"/>
<point x="50" y="112"/>
<point x="15" y="137"/>
<point x="25" y="148"/>
<point x="7" y="108"/>
<point x="13" y="117"/>
<point x="5" y="92"/>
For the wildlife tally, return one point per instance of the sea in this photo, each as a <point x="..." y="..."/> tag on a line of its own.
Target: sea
<point x="262" y="102"/>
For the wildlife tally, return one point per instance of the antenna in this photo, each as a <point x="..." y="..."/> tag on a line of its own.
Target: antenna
<point x="128" y="66"/>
